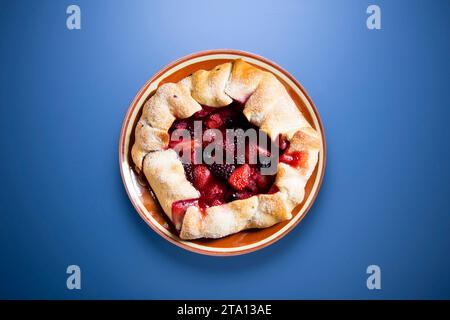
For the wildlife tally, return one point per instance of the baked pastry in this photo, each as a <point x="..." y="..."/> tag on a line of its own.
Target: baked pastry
<point x="212" y="199"/>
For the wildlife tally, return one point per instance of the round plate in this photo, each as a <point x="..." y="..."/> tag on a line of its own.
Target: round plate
<point x="140" y="193"/>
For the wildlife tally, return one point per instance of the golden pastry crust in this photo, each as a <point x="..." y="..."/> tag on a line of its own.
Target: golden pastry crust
<point x="260" y="211"/>
<point x="268" y="105"/>
<point x="263" y="99"/>
<point x="147" y="139"/>
<point x="170" y="101"/>
<point x="164" y="171"/>
<point x="244" y="80"/>
<point x="208" y="87"/>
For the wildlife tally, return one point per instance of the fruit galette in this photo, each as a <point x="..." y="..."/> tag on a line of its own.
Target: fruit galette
<point x="225" y="150"/>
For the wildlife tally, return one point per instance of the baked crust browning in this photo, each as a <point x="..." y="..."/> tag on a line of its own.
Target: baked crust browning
<point x="244" y="80"/>
<point x="259" y="211"/>
<point x="170" y="101"/>
<point x="267" y="105"/>
<point x="164" y="171"/>
<point x="147" y="139"/>
<point x="208" y="87"/>
<point x="263" y="99"/>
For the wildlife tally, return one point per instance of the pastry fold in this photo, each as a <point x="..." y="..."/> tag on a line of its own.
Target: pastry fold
<point x="260" y="211"/>
<point x="165" y="173"/>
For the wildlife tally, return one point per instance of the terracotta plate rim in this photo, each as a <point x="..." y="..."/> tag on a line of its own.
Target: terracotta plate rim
<point x="147" y="88"/>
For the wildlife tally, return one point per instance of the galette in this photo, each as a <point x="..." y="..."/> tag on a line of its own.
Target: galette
<point x="225" y="150"/>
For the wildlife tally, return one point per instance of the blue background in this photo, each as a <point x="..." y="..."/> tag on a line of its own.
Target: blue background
<point x="383" y="97"/>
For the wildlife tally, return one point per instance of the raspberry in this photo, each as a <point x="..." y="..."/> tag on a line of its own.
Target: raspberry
<point x="222" y="171"/>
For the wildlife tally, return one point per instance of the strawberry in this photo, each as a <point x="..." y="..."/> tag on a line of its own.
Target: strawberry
<point x="179" y="210"/>
<point x="202" y="176"/>
<point x="240" y="178"/>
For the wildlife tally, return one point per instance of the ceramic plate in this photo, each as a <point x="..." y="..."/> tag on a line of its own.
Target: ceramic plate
<point x="142" y="196"/>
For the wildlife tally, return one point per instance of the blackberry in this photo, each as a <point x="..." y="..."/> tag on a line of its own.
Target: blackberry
<point x="188" y="170"/>
<point x="222" y="171"/>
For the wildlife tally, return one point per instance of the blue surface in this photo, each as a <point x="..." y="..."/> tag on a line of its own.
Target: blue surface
<point x="383" y="97"/>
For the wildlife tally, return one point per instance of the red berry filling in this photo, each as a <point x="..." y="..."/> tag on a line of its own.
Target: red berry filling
<point x="204" y="112"/>
<point x="220" y="183"/>
<point x="179" y="210"/>
<point x="282" y="143"/>
<point x="297" y="159"/>
<point x="214" y="195"/>
<point x="215" y="121"/>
